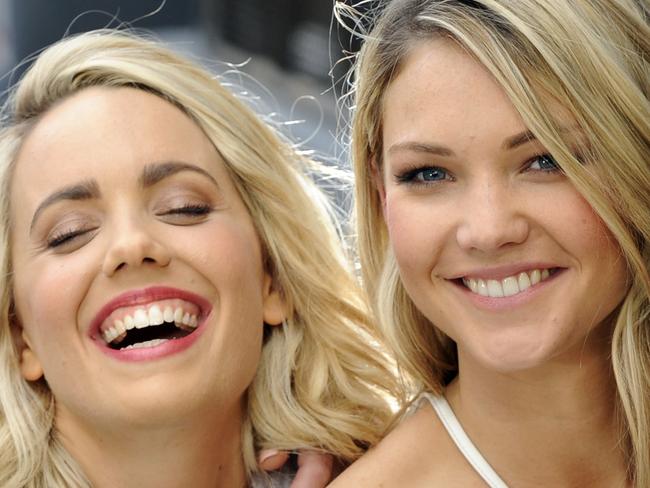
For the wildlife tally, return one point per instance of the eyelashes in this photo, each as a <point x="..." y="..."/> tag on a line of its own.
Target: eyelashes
<point x="426" y="175"/>
<point x="190" y="209"/>
<point x="59" y="239"/>
<point x="544" y="162"/>
<point x="423" y="175"/>
<point x="184" y="214"/>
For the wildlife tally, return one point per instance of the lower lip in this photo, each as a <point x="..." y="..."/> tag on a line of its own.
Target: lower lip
<point x="504" y="303"/>
<point x="168" y="348"/>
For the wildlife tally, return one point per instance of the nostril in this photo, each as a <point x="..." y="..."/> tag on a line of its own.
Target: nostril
<point x="148" y="260"/>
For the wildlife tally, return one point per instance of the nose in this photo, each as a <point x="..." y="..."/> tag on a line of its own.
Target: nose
<point x="493" y="217"/>
<point x="133" y="246"/>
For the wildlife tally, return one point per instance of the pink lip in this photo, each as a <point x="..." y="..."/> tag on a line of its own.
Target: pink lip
<point x="140" y="297"/>
<point x="504" y="303"/>
<point x="501" y="272"/>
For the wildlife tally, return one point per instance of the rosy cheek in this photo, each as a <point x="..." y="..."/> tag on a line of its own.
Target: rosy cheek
<point x="409" y="233"/>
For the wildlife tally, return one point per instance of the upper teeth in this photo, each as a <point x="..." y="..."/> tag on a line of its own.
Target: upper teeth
<point x="154" y="315"/>
<point x="508" y="286"/>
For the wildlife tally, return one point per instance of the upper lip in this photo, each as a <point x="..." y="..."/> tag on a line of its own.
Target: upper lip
<point x="147" y="295"/>
<point x="501" y="272"/>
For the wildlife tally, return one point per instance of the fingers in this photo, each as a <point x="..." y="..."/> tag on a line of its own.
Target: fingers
<point x="272" y="459"/>
<point x="314" y="470"/>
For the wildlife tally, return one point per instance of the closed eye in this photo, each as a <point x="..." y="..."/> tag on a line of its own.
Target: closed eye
<point x="187" y="214"/>
<point x="60" y="239"/>
<point x="189" y="209"/>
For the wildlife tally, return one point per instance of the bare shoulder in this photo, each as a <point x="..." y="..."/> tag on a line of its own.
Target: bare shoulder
<point x="418" y="452"/>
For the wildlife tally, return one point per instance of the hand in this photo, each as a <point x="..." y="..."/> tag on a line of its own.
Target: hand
<point x="315" y="469"/>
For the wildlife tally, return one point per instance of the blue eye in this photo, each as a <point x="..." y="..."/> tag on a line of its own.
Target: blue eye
<point x="545" y="162"/>
<point x="426" y="175"/>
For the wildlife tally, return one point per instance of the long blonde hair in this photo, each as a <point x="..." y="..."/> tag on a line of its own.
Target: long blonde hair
<point x="593" y="58"/>
<point x="321" y="383"/>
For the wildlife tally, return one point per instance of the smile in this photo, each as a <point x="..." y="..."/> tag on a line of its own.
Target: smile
<point x="509" y="286"/>
<point x="150" y="325"/>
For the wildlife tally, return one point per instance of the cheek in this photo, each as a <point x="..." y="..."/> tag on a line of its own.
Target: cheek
<point x="47" y="298"/>
<point x="416" y="234"/>
<point x="230" y="259"/>
<point x="587" y="236"/>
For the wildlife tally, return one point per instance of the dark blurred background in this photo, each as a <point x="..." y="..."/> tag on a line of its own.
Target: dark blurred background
<point x="284" y="48"/>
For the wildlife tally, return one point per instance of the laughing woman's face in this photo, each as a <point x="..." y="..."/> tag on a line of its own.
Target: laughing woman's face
<point x="138" y="276"/>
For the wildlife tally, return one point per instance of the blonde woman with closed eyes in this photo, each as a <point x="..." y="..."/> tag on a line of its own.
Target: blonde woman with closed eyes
<point x="174" y="292"/>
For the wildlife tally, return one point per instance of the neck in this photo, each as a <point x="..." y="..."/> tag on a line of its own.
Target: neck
<point x="179" y="454"/>
<point x="555" y="425"/>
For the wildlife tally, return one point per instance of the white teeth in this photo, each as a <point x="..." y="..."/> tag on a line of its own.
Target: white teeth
<point x="508" y="286"/>
<point x="494" y="288"/>
<point x="178" y="315"/>
<point x="535" y="277"/>
<point x="128" y="322"/>
<point x="523" y="281"/>
<point x="482" y="288"/>
<point x="151" y="343"/>
<point x="155" y="315"/>
<point x="168" y="315"/>
<point x="140" y="319"/>
<point x="119" y="327"/>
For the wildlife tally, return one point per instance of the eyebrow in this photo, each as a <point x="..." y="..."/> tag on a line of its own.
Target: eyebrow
<point x="421" y="147"/>
<point x="439" y="150"/>
<point x="89" y="189"/>
<point x="519" y="140"/>
<point x="156" y="172"/>
<point x="84" y="190"/>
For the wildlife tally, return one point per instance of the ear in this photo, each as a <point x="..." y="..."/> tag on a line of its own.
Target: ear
<point x="378" y="181"/>
<point x="30" y="366"/>
<point x="274" y="305"/>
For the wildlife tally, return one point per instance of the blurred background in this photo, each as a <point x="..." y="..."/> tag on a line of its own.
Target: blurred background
<point x="283" y="50"/>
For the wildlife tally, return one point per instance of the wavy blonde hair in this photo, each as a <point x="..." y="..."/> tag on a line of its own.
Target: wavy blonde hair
<point x="593" y="58"/>
<point x="321" y="381"/>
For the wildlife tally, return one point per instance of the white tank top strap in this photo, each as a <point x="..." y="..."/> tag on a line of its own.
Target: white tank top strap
<point x="462" y="441"/>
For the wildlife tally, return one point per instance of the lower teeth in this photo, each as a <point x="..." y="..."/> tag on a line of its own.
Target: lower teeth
<point x="151" y="343"/>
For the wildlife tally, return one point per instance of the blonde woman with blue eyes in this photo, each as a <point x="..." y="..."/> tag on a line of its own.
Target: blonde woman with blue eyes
<point x="501" y="151"/>
<point x="174" y="293"/>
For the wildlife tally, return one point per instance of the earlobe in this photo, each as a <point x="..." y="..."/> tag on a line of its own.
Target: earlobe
<point x="274" y="305"/>
<point x="30" y="366"/>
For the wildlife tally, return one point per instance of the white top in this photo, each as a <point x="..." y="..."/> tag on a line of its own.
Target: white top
<point x="463" y="442"/>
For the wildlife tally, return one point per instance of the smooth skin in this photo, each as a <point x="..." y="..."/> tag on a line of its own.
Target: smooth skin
<point x="465" y="195"/>
<point x="173" y="421"/>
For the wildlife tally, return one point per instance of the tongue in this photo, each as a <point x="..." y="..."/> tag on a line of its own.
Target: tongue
<point x="164" y="331"/>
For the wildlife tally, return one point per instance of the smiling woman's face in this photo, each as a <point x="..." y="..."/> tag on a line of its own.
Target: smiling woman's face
<point x="128" y="231"/>
<point x="494" y="245"/>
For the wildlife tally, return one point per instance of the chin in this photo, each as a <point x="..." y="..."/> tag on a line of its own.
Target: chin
<point x="512" y="355"/>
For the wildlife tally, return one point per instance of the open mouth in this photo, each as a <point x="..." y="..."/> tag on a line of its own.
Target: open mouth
<point x="509" y="286"/>
<point x="150" y="325"/>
